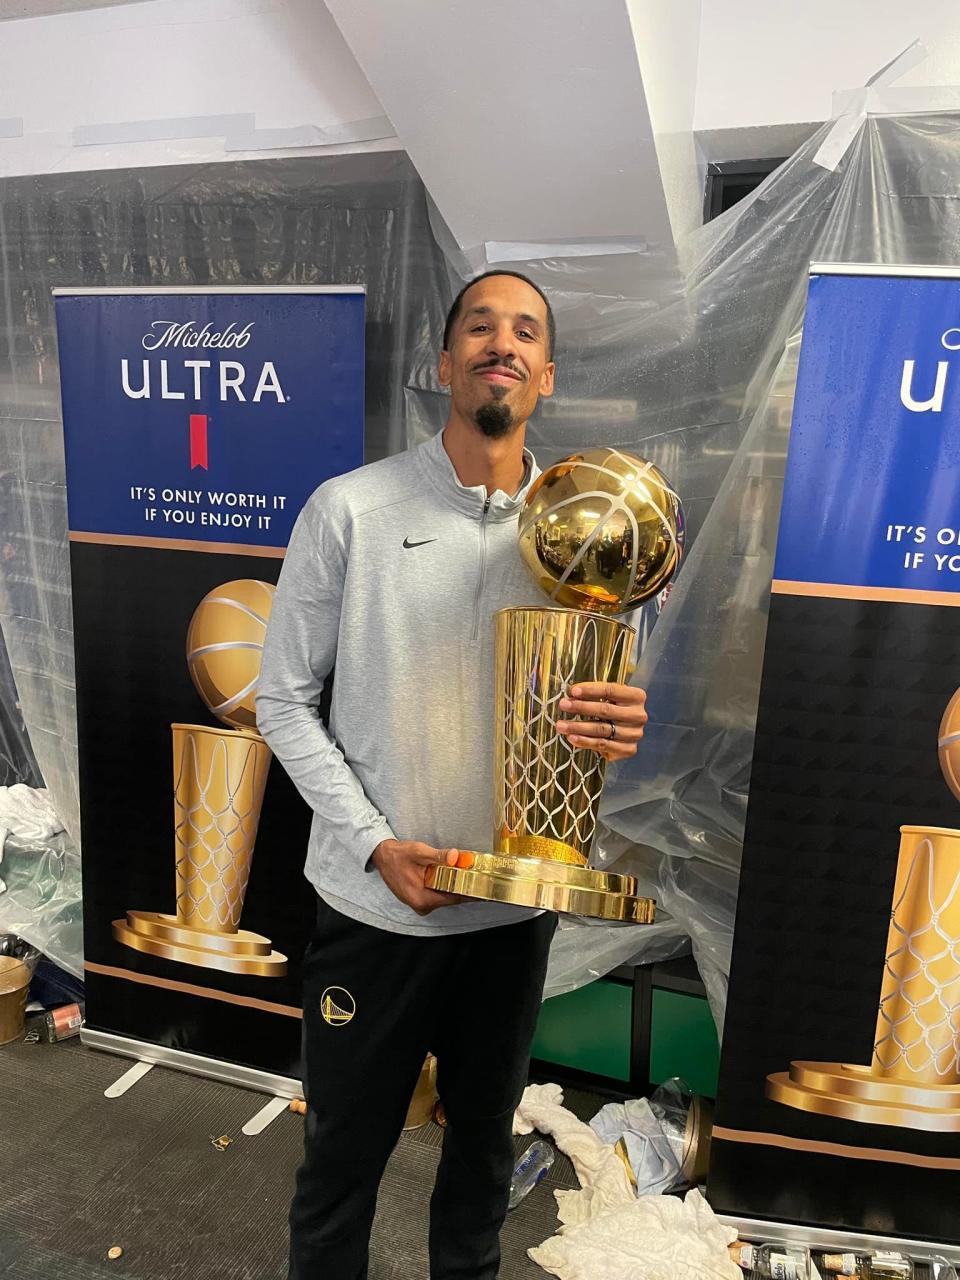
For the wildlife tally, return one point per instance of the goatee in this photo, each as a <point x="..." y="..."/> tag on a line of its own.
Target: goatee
<point x="494" y="419"/>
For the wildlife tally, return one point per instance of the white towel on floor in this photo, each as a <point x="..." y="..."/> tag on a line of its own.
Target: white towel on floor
<point x="610" y="1234"/>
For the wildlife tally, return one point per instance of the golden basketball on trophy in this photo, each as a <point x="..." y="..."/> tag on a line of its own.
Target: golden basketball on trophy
<point x="601" y="532"/>
<point x="219" y="777"/>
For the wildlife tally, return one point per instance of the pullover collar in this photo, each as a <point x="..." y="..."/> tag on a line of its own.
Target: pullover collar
<point x="439" y="470"/>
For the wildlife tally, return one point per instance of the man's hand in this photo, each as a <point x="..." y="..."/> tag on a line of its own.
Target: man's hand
<point x="614" y="718"/>
<point x="403" y="865"/>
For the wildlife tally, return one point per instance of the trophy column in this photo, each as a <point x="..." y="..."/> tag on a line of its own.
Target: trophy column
<point x="913" y="1080"/>
<point x="918" y="1026"/>
<point x="547" y="791"/>
<point x="914" y="1077"/>
<point x="219" y="777"/>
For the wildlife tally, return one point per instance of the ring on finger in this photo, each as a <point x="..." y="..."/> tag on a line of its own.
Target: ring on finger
<point x="613" y="730"/>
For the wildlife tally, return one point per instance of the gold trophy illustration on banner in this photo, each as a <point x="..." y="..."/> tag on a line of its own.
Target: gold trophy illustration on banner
<point x="219" y="776"/>
<point x="914" y="1078"/>
<point x="601" y="532"/>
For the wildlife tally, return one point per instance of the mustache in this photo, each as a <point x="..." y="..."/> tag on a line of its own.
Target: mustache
<point x="500" y="364"/>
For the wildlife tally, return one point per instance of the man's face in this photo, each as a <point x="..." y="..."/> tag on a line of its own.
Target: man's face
<point x="498" y="365"/>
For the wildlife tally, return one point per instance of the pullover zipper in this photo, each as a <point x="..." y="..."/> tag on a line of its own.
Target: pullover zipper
<point x="483" y="566"/>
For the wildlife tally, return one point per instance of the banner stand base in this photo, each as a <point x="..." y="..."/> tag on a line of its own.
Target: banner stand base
<point x="832" y="1240"/>
<point x="156" y="934"/>
<point x="859" y="1093"/>
<point x="195" y="1064"/>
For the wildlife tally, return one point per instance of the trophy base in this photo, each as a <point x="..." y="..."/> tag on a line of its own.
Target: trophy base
<point x="550" y="885"/>
<point x="849" y="1092"/>
<point x="156" y="934"/>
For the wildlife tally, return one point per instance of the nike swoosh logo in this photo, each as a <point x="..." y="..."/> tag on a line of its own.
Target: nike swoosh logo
<point x="408" y="544"/>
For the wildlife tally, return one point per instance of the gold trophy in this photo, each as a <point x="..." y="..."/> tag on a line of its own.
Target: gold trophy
<point x="914" y="1078"/>
<point x="219" y="776"/>
<point x="601" y="531"/>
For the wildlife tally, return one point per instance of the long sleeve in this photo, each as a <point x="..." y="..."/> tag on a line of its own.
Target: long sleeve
<point x="299" y="654"/>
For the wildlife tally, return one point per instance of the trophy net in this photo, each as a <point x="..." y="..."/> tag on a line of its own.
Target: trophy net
<point x="219" y="780"/>
<point x="918" y="1027"/>
<point x="913" y="1080"/>
<point x="548" y="791"/>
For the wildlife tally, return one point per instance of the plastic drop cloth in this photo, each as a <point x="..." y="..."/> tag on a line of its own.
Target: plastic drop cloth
<point x="691" y="364"/>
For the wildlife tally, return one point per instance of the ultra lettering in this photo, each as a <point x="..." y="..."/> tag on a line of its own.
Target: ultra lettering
<point x="190" y="380"/>
<point x="922" y="390"/>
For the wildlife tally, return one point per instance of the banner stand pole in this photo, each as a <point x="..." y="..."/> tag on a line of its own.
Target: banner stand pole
<point x="211" y="1068"/>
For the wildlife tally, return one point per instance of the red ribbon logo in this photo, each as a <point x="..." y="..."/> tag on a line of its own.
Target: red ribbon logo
<point x="198" y="441"/>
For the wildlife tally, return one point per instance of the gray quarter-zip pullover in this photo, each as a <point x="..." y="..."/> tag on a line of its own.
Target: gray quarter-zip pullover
<point x="393" y="572"/>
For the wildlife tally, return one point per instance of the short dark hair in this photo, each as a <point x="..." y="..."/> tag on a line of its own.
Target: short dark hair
<point x="454" y="311"/>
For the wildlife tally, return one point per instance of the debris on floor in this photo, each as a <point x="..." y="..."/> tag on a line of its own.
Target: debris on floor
<point x="607" y="1230"/>
<point x="664" y="1140"/>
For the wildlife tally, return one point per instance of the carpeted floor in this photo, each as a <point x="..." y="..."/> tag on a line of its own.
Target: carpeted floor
<point x="80" y="1173"/>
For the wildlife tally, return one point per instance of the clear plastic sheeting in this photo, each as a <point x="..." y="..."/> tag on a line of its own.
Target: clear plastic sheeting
<point x="41" y="901"/>
<point x="691" y="366"/>
<point x="344" y="220"/>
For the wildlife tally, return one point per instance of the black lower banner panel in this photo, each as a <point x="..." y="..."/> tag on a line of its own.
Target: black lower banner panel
<point x="131" y="690"/>
<point x="846" y="754"/>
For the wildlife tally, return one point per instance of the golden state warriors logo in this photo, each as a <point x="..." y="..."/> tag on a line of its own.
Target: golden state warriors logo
<point x="337" y="1006"/>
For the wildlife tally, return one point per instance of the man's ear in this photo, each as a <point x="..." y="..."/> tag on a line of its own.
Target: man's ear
<point x="444" y="369"/>
<point x="546" y="379"/>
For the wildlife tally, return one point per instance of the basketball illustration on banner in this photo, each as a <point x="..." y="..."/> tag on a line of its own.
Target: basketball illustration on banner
<point x="219" y="780"/>
<point x="913" y="1080"/>
<point x="225" y="671"/>
<point x="948" y="744"/>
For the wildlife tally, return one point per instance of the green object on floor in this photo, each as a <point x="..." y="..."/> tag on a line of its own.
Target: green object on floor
<point x="588" y="1029"/>
<point x="684" y="1042"/>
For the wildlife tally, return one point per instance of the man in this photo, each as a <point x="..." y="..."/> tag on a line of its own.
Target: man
<point x="394" y="571"/>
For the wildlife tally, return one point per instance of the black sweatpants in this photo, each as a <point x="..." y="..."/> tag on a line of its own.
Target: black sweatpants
<point x="374" y="1004"/>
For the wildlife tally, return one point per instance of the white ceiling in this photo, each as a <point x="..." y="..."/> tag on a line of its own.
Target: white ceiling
<point x="530" y="124"/>
<point x="11" y="9"/>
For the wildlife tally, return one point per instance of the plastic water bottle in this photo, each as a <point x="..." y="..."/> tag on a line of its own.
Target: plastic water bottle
<point x="533" y="1167"/>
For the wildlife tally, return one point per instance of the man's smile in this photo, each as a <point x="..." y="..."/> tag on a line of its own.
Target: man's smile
<point x="499" y="373"/>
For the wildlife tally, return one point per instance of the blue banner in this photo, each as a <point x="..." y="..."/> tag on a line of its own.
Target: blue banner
<point x="872" y="493"/>
<point x="196" y="424"/>
<point x="839" y="1094"/>
<point x="207" y="416"/>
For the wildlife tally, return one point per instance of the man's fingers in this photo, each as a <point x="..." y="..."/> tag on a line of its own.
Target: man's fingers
<point x="615" y="750"/>
<point x="633" y="712"/>
<point x="607" y="689"/>
<point x="427" y="856"/>
<point x="599" y="729"/>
